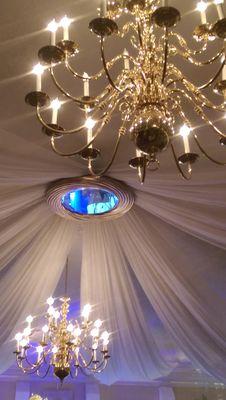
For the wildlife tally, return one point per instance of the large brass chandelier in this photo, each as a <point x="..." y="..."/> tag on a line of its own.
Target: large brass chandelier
<point x="150" y="91"/>
<point x="65" y="346"/>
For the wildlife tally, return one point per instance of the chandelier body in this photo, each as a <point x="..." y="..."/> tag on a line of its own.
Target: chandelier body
<point x="66" y="346"/>
<point x="151" y="92"/>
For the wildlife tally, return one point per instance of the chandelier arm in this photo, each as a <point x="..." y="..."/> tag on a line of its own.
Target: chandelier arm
<point x="183" y="44"/>
<point x="212" y="80"/>
<point x="205" y="153"/>
<point x="74" y="153"/>
<point x="85" y="364"/>
<point x="66" y="132"/>
<point x="96" y="76"/>
<point x="106" y="68"/>
<point x="201" y="113"/>
<point x="189" y="58"/>
<point x="67" y="94"/>
<point x="197" y="98"/>
<point x="27" y="370"/>
<point x="166" y="53"/>
<point x="46" y="373"/>
<point x="103" y="171"/>
<point x="187" y="177"/>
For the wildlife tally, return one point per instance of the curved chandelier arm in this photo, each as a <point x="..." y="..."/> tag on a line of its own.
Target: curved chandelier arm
<point x="99" y="74"/>
<point x="74" y="153"/>
<point x="106" y="68"/>
<point x="212" y="80"/>
<point x="67" y="94"/>
<point x="193" y="61"/>
<point x="183" y="44"/>
<point x="65" y="132"/>
<point x="45" y="374"/>
<point x="206" y="154"/>
<point x="187" y="177"/>
<point x="103" y="171"/>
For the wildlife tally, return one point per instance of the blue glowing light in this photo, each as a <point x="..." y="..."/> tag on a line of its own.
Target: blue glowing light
<point x="90" y="201"/>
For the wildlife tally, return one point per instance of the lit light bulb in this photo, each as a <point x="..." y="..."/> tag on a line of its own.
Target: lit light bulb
<point x="218" y="4"/>
<point x="77" y="332"/>
<point x="27" y="331"/>
<point x="94" y="332"/>
<point x="201" y="6"/>
<point x="45" y="329"/>
<point x="55" y="105"/>
<point x="29" y="319"/>
<point x="54" y="349"/>
<point x="51" y="311"/>
<point x="86" y="311"/>
<point x="50" y="301"/>
<point x="38" y="70"/>
<point x="94" y="346"/>
<point x="24" y="342"/>
<point x="70" y="328"/>
<point x="65" y="22"/>
<point x="98" y="323"/>
<point x="105" y="336"/>
<point x="52" y="28"/>
<point x="185" y="130"/>
<point x="56" y="314"/>
<point x="39" y="349"/>
<point x="90" y="123"/>
<point x="18" y="337"/>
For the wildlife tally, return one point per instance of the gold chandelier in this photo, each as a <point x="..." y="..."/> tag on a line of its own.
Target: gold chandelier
<point x="150" y="92"/>
<point x="66" y="345"/>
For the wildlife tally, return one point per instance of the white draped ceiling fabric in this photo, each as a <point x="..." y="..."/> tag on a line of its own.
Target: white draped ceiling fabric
<point x="169" y="250"/>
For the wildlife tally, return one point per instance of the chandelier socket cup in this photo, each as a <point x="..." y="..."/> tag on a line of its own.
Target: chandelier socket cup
<point x="220" y="87"/>
<point x="87" y="102"/>
<point x="51" y="55"/>
<point x="68" y="47"/>
<point x="49" y="131"/>
<point x="166" y="17"/>
<point x="103" y="27"/>
<point x="223" y="141"/>
<point x="188" y="158"/>
<point x="35" y="99"/>
<point x="90" y="153"/>
<point x="137" y="162"/>
<point x="220" y="28"/>
<point x="132" y="4"/>
<point x="203" y="32"/>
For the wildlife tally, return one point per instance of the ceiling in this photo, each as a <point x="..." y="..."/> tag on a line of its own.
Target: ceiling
<point x="22" y="33"/>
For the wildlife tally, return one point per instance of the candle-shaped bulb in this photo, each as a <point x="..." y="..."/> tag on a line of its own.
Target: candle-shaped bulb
<point x="27" y="331"/>
<point x="201" y="7"/>
<point x="52" y="28"/>
<point x="218" y="4"/>
<point x="90" y="123"/>
<point x="38" y="70"/>
<point x="94" y="332"/>
<point x="103" y="8"/>
<point x="126" y="60"/>
<point x="50" y="301"/>
<point x="65" y="22"/>
<point x="55" y="105"/>
<point x="70" y="328"/>
<point x="86" y="84"/>
<point x="98" y="323"/>
<point x="18" y="338"/>
<point x="184" y="132"/>
<point x="77" y="332"/>
<point x="86" y="311"/>
<point x="45" y="329"/>
<point x="29" y="319"/>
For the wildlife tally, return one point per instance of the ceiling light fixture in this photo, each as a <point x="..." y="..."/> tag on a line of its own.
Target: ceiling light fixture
<point x="66" y="345"/>
<point x="151" y="92"/>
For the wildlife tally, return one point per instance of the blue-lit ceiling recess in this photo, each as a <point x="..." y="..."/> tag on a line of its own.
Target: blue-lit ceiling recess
<point x="90" y="201"/>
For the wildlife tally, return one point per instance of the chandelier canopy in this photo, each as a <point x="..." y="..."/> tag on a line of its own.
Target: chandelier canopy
<point x="150" y="92"/>
<point x="66" y="345"/>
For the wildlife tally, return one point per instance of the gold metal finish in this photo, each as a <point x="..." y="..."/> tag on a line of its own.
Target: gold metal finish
<point x="67" y="345"/>
<point x="150" y="92"/>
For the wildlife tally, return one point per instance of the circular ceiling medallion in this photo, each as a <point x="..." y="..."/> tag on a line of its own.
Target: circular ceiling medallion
<point x="89" y="198"/>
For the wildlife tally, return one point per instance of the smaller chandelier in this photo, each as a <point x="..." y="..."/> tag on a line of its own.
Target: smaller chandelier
<point x="66" y="346"/>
